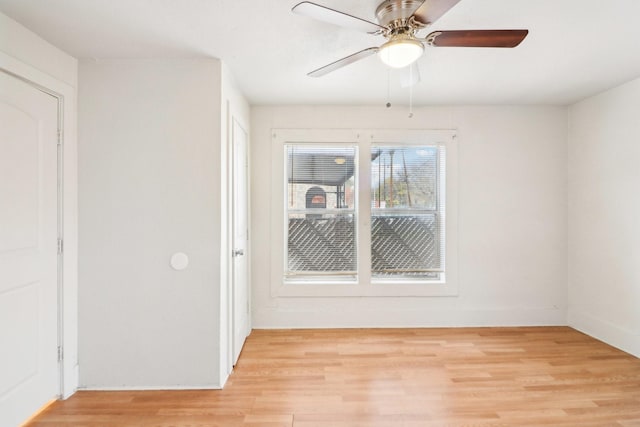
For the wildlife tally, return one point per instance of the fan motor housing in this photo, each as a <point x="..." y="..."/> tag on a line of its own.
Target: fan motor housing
<point x="390" y="11"/>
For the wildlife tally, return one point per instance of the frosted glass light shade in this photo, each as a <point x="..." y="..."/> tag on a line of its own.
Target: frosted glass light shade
<point x="399" y="53"/>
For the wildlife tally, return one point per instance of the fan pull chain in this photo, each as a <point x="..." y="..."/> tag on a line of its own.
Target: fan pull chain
<point x="411" y="93"/>
<point x="388" y="104"/>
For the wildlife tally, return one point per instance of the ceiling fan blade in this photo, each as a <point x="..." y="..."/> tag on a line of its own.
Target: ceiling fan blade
<point x="477" y="38"/>
<point x="335" y="17"/>
<point x="342" y="62"/>
<point x="410" y="75"/>
<point x="431" y="10"/>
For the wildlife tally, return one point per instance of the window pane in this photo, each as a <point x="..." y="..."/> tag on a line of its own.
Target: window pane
<point x="321" y="210"/>
<point x="406" y="245"/>
<point x="404" y="177"/>
<point x="320" y="177"/>
<point x="321" y="243"/>
<point x="406" y="215"/>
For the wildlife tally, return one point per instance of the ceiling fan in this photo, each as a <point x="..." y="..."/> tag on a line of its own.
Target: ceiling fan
<point x="398" y="22"/>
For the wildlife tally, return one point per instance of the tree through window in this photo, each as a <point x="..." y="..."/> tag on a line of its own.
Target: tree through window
<point x="406" y="217"/>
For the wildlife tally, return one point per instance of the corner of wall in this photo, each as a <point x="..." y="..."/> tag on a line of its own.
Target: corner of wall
<point x="603" y="230"/>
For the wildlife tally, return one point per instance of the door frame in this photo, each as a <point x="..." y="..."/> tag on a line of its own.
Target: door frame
<point x="232" y="114"/>
<point x="232" y="277"/>
<point x="59" y="220"/>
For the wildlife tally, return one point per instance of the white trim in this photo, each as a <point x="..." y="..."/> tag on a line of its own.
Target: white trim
<point x="153" y="387"/>
<point x="364" y="287"/>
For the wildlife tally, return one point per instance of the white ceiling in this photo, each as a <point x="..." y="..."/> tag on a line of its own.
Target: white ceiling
<point x="575" y="48"/>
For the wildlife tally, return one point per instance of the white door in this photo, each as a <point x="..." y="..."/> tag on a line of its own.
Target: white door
<point x="239" y="288"/>
<point x="29" y="375"/>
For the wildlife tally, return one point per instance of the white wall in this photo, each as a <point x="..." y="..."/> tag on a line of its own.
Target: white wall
<point x="512" y="195"/>
<point x="150" y="179"/>
<point x="604" y="216"/>
<point x="25" y="54"/>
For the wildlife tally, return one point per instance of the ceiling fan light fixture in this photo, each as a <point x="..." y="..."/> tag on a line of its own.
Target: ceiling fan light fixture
<point x="400" y="52"/>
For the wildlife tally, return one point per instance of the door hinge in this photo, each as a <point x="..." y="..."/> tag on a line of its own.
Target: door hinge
<point x="237" y="252"/>
<point x="60" y="136"/>
<point x="60" y="354"/>
<point x="60" y="246"/>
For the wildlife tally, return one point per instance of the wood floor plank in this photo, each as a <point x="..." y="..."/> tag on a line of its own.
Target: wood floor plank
<point x="532" y="376"/>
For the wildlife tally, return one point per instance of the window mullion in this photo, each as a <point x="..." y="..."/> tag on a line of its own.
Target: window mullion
<point x="364" y="212"/>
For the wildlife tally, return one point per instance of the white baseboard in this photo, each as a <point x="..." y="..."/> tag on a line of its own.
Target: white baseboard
<point x="299" y="319"/>
<point x="224" y="380"/>
<point x="150" y="388"/>
<point x="624" y="339"/>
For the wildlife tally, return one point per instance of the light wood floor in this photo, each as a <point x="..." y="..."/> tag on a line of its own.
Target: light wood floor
<point x="392" y="377"/>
